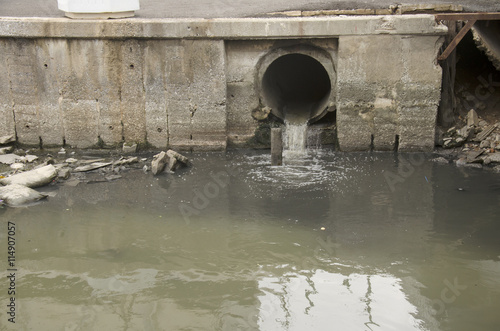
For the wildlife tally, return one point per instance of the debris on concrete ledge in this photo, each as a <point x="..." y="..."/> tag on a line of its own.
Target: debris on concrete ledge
<point x="17" y="166"/>
<point x="129" y="148"/>
<point x="176" y="160"/>
<point x="92" y="166"/>
<point x="158" y="163"/>
<point x="4" y="140"/>
<point x="172" y="158"/>
<point x="479" y="142"/>
<point x="9" y="158"/>
<point x="126" y="161"/>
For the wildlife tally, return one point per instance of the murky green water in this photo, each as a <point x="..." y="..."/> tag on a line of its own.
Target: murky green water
<point x="336" y="242"/>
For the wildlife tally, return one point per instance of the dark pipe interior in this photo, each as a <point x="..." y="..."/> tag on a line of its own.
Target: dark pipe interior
<point x="296" y="86"/>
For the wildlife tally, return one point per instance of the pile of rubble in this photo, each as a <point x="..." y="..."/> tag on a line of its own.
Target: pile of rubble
<point x="20" y="175"/>
<point x="479" y="141"/>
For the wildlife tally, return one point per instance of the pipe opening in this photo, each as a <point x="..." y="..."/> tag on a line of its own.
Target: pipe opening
<point x="297" y="87"/>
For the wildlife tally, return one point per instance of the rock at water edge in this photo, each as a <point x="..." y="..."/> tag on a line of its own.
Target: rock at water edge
<point x="159" y="162"/>
<point x="494" y="157"/>
<point x="178" y="156"/>
<point x="176" y="160"/>
<point x="33" y="178"/>
<point x="129" y="148"/>
<point x="6" y="150"/>
<point x="7" y="139"/>
<point x="16" y="195"/>
<point x="9" y="158"/>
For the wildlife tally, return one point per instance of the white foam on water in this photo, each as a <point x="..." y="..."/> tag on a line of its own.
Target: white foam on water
<point x="323" y="171"/>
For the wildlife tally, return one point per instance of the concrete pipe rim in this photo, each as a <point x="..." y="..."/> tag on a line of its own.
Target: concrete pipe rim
<point x="297" y="83"/>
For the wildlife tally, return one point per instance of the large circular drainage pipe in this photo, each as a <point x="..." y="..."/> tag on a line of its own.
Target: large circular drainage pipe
<point x="297" y="87"/>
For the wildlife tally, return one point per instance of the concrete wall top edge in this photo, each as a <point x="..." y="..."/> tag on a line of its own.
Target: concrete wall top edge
<point x="223" y="28"/>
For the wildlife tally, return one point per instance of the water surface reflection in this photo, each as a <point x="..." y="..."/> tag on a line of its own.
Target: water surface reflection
<point x="324" y="243"/>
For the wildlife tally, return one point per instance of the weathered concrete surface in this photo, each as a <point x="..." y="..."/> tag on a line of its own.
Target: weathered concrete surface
<point x="90" y="92"/>
<point x="7" y="124"/>
<point x="233" y="8"/>
<point x="196" y="94"/>
<point x="246" y="64"/>
<point x="193" y="84"/>
<point x="249" y="28"/>
<point x="383" y="94"/>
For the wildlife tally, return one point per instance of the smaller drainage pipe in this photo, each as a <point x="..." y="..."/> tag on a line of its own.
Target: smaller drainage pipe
<point x="276" y="146"/>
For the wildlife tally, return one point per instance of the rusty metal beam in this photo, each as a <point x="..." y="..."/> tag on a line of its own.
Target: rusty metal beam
<point x="453" y="44"/>
<point x="467" y="16"/>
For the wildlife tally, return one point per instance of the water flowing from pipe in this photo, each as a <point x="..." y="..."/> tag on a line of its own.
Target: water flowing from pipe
<point x="295" y="138"/>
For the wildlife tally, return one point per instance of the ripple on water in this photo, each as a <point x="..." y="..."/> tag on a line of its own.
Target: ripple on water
<point x="318" y="171"/>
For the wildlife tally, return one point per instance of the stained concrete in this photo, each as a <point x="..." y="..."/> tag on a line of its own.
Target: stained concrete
<point x="386" y="96"/>
<point x="233" y="8"/>
<point x="247" y="63"/>
<point x="193" y="84"/>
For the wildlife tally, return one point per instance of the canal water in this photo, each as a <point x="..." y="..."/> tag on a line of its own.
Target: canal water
<point x="329" y="241"/>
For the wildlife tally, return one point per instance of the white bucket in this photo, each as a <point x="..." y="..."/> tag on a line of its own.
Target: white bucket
<point x="95" y="9"/>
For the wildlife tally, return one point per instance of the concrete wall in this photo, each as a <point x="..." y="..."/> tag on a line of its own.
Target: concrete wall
<point x="89" y="92"/>
<point x="191" y="84"/>
<point x="388" y="86"/>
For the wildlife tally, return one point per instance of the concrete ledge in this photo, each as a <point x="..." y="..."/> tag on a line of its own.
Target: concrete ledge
<point x="233" y="28"/>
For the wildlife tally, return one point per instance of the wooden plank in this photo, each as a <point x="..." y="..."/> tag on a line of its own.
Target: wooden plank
<point x="467" y="16"/>
<point x="485" y="133"/>
<point x="453" y="44"/>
